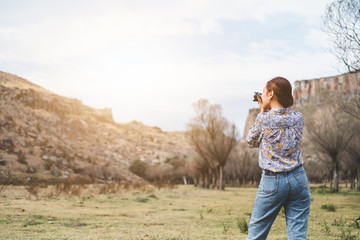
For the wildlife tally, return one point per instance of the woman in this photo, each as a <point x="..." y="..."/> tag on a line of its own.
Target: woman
<point x="277" y="132"/>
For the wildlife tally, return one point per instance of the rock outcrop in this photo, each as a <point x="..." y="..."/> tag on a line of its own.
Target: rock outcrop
<point x="304" y="90"/>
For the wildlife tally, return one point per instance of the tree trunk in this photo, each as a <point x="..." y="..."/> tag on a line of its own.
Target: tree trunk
<point x="202" y="180"/>
<point x="336" y="174"/>
<point x="213" y="179"/>
<point x="345" y="182"/>
<point x="207" y="180"/>
<point x="195" y="179"/>
<point x="221" y="178"/>
<point x="336" y="180"/>
<point x="358" y="180"/>
<point x="331" y="182"/>
<point x="185" y="182"/>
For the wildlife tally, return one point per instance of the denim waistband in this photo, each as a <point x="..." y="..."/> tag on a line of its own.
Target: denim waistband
<point x="271" y="173"/>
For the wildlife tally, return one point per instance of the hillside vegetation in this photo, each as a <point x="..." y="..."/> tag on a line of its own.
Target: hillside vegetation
<point x="47" y="137"/>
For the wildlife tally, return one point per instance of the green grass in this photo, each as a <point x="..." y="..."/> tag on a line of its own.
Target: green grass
<point x="242" y="225"/>
<point x="330" y="207"/>
<point x="184" y="212"/>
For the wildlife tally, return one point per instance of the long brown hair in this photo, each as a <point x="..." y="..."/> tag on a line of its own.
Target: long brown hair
<point x="282" y="90"/>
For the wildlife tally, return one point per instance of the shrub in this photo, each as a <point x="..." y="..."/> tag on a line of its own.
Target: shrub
<point x="109" y="188"/>
<point x="330" y="207"/>
<point x="153" y="196"/>
<point x="242" y="224"/>
<point x="48" y="164"/>
<point x="33" y="190"/>
<point x="21" y="158"/>
<point x="139" y="168"/>
<point x="142" y="199"/>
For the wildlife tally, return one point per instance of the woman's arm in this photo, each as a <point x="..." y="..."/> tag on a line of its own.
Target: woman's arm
<point x="254" y="136"/>
<point x="300" y="125"/>
<point x="255" y="133"/>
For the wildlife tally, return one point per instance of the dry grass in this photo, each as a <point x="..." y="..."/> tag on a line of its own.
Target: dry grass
<point x="147" y="212"/>
<point x="39" y="191"/>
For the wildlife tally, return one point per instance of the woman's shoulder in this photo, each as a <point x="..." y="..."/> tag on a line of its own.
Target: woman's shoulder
<point x="295" y="113"/>
<point x="261" y="116"/>
<point x="278" y="114"/>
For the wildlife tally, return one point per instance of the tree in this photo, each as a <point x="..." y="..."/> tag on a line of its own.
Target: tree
<point x="180" y="170"/>
<point x="354" y="151"/>
<point x="342" y="24"/>
<point x="329" y="131"/>
<point x="213" y="138"/>
<point x="352" y="108"/>
<point x="200" y="171"/>
<point x="243" y="165"/>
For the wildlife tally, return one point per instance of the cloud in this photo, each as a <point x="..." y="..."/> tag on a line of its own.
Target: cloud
<point x="150" y="60"/>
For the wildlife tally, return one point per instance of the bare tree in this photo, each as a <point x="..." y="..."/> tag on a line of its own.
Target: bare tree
<point x="213" y="138"/>
<point x="353" y="148"/>
<point x="349" y="169"/>
<point x="243" y="165"/>
<point x="352" y="107"/>
<point x="329" y="132"/>
<point x="354" y="151"/>
<point x="200" y="171"/>
<point x="342" y="24"/>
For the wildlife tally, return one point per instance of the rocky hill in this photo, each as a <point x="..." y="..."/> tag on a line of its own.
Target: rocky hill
<point x="305" y="90"/>
<point x="44" y="135"/>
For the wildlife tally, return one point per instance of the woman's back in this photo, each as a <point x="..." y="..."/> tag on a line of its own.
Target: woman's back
<point x="278" y="133"/>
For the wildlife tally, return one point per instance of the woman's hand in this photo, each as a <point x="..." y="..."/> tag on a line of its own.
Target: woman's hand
<point x="261" y="105"/>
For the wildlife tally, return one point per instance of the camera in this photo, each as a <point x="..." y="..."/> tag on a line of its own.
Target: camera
<point x="256" y="95"/>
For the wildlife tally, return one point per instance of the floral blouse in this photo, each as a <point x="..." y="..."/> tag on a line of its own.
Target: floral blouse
<point x="278" y="133"/>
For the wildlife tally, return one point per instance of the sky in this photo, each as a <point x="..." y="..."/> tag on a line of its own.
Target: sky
<point x="150" y="60"/>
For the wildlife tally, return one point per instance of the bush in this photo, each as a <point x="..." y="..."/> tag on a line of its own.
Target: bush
<point x="330" y="207"/>
<point x="33" y="190"/>
<point x="139" y="168"/>
<point x="242" y="225"/>
<point x="21" y="158"/>
<point x="48" y="164"/>
<point x="110" y="188"/>
<point x="142" y="199"/>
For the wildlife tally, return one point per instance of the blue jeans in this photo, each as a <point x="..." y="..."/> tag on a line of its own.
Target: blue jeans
<point x="290" y="190"/>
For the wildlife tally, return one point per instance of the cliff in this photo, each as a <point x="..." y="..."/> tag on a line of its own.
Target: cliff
<point x="348" y="84"/>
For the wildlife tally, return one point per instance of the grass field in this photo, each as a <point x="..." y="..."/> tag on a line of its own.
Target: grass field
<point x="183" y="212"/>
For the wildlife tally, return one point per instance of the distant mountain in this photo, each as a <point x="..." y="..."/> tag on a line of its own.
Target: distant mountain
<point x="47" y="136"/>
